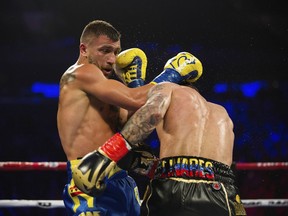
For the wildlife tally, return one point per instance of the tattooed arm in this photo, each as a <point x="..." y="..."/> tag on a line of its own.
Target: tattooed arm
<point x="145" y="120"/>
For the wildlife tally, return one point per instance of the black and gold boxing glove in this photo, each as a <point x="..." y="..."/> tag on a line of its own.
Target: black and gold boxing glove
<point x="89" y="175"/>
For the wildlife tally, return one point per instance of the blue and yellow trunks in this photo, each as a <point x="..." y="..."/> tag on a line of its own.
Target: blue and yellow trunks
<point x="120" y="198"/>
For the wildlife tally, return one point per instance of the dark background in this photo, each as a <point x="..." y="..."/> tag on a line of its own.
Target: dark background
<point x="240" y="43"/>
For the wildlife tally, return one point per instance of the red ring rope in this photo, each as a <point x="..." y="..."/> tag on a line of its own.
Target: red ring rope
<point x="18" y="166"/>
<point x="58" y="166"/>
<point x="262" y="166"/>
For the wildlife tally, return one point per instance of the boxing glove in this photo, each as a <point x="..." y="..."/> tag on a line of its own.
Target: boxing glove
<point x="144" y="161"/>
<point x="131" y="67"/>
<point x="140" y="160"/>
<point x="90" y="174"/>
<point x="183" y="67"/>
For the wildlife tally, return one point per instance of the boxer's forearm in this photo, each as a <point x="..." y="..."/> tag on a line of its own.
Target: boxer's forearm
<point x="144" y="121"/>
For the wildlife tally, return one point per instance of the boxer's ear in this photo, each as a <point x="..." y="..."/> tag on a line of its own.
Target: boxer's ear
<point x="83" y="49"/>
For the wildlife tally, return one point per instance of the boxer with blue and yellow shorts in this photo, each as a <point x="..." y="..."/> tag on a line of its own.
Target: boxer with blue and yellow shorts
<point x="120" y="198"/>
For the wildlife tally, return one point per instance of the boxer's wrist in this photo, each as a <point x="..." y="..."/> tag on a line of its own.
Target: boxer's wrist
<point x="115" y="148"/>
<point x="136" y="83"/>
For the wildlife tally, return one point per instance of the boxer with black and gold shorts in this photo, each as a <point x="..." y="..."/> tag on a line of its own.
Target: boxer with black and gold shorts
<point x="192" y="186"/>
<point x="120" y="198"/>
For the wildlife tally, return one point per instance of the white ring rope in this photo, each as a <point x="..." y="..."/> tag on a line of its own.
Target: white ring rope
<point x="31" y="203"/>
<point x="248" y="203"/>
<point x="265" y="203"/>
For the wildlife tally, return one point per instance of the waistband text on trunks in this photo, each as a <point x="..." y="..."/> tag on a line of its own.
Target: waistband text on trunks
<point x="185" y="167"/>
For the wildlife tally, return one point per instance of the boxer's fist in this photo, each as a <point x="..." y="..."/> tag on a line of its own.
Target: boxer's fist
<point x="90" y="173"/>
<point x="144" y="161"/>
<point x="131" y="67"/>
<point x="183" y="67"/>
<point x="187" y="65"/>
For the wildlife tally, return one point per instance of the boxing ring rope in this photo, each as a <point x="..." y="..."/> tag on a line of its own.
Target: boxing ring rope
<point x="60" y="166"/>
<point x="248" y="203"/>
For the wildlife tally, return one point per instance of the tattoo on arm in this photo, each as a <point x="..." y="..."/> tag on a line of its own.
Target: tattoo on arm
<point x="66" y="78"/>
<point x="156" y="89"/>
<point x="145" y="120"/>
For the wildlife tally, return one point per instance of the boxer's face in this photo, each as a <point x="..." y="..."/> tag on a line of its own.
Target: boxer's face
<point x="102" y="52"/>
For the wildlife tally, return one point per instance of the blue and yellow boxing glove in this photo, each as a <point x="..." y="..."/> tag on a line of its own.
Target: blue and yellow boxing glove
<point x="182" y="67"/>
<point x="131" y="67"/>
